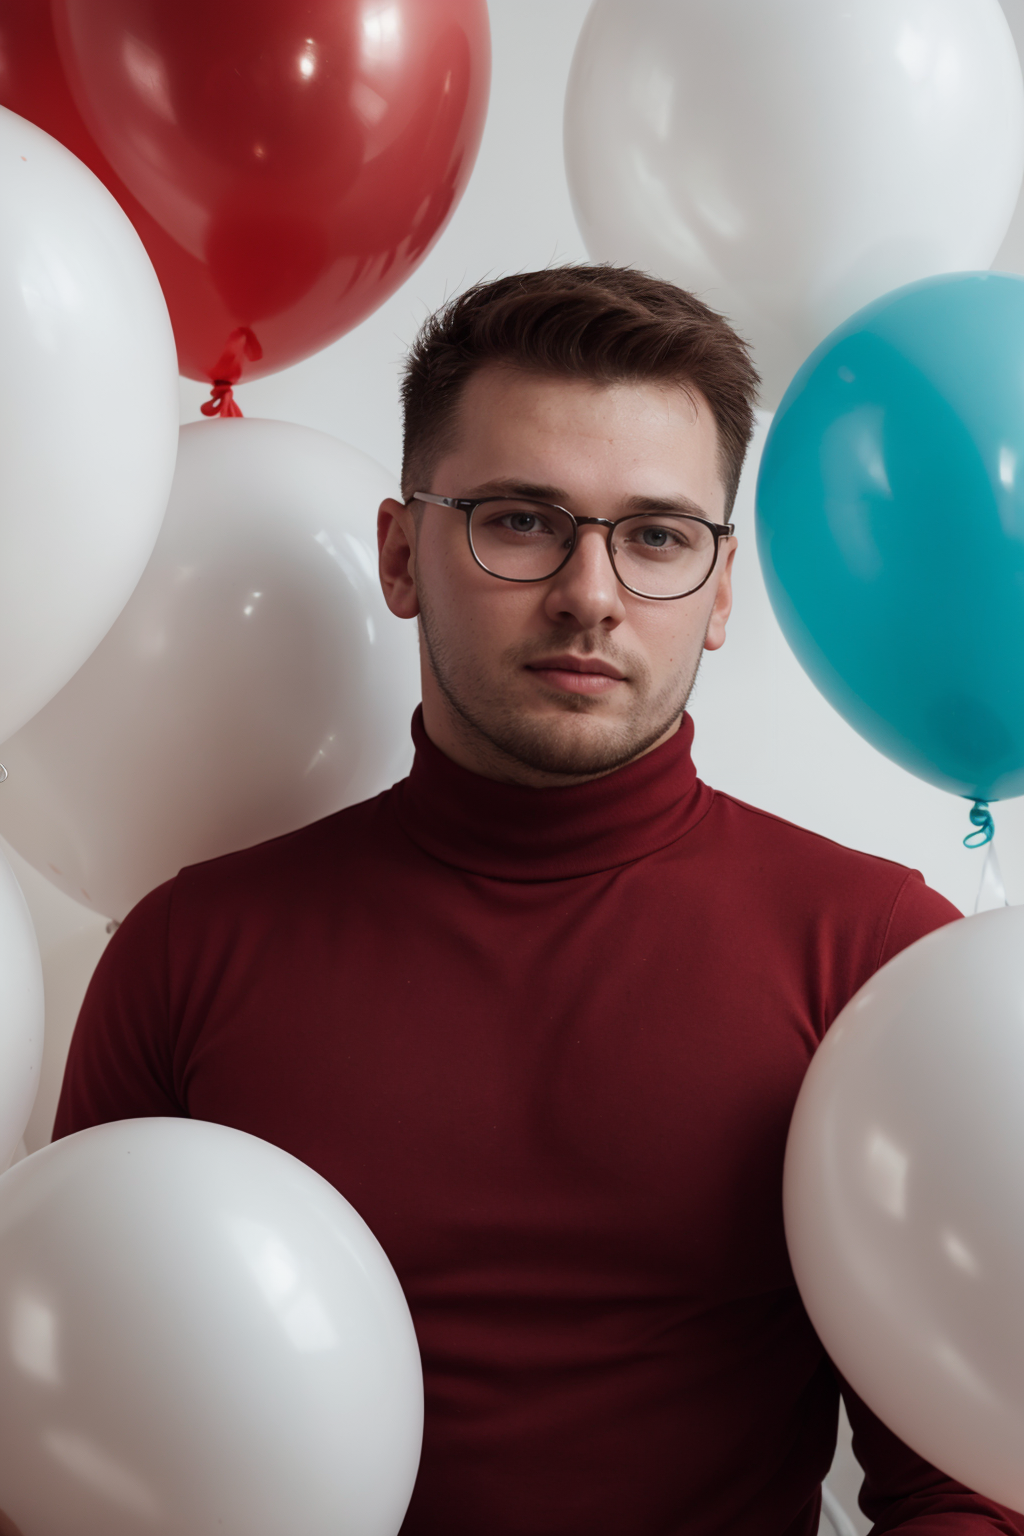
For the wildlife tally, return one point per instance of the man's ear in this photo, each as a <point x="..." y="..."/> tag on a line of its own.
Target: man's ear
<point x="396" y="545"/>
<point x="715" y="636"/>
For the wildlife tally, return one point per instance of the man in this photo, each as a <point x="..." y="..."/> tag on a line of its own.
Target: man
<point x="541" y="1011"/>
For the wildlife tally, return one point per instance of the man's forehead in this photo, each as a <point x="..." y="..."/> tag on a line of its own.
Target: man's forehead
<point x="537" y="435"/>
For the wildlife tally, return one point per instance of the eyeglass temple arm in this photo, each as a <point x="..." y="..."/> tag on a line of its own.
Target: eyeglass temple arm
<point x="440" y="501"/>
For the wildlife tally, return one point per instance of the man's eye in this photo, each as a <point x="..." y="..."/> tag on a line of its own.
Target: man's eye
<point x="523" y="522"/>
<point x="657" y="537"/>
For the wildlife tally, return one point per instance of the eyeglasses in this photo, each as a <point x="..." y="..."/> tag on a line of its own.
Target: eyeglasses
<point x="662" y="555"/>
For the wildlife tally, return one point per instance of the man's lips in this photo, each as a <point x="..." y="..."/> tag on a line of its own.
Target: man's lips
<point x="577" y="674"/>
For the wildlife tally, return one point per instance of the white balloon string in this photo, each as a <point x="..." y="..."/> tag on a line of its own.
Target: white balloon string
<point x="835" y="1514"/>
<point x="991" y="891"/>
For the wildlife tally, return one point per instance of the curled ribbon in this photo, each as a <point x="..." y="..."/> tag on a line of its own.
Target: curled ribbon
<point x="221" y="402"/>
<point x="984" y="826"/>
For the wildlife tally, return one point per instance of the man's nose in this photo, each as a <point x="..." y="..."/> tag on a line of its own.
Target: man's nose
<point x="586" y="590"/>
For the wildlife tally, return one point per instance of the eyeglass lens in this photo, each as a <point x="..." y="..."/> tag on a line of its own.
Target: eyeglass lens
<point x="657" y="554"/>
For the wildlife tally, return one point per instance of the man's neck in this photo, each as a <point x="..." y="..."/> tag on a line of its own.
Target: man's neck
<point x="468" y="745"/>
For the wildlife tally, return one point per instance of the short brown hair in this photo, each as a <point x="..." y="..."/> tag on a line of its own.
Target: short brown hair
<point x="607" y="324"/>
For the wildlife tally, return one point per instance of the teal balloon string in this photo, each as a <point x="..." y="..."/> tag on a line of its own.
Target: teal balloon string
<point x="985" y="827"/>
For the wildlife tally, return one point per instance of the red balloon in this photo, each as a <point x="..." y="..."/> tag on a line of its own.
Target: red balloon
<point x="287" y="165"/>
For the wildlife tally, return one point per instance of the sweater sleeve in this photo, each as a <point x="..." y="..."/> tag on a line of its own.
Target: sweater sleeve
<point x="904" y="1493"/>
<point x="916" y="911"/>
<point x="120" y="1065"/>
<point x="901" y="1491"/>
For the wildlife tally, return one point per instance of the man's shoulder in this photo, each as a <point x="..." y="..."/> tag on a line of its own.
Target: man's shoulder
<point x="791" y="848"/>
<point x="801" y="871"/>
<point x="800" y="899"/>
<point x="309" y="852"/>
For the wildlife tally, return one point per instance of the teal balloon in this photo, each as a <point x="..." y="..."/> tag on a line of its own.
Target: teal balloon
<point x="890" y="527"/>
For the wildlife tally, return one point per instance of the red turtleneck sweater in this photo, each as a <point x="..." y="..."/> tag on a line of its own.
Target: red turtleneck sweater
<point x="547" y="1043"/>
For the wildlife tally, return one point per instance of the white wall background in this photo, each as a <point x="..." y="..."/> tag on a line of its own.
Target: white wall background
<point x="763" y="733"/>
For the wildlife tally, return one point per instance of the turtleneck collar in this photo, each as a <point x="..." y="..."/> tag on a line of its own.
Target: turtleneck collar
<point x="509" y="832"/>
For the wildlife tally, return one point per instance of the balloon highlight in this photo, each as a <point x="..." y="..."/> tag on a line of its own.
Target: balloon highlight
<point x="88" y="415"/>
<point x="286" y="168"/>
<point x="789" y="162"/>
<point x="890" y="526"/>
<point x="255" y="682"/>
<point x="203" y="1338"/>
<point x="903" y="1201"/>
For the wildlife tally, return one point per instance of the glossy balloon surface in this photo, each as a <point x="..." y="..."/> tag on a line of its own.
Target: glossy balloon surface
<point x="21" y="1013"/>
<point x="890" y="507"/>
<point x="288" y="166"/>
<point x="904" y="1202"/>
<point x="790" y="160"/>
<point x="255" y="682"/>
<point x="88" y="415"/>
<point x="32" y="83"/>
<point x="200" y="1338"/>
<point x="1010" y="255"/>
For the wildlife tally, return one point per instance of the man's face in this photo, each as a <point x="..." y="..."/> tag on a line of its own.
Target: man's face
<point x="560" y="680"/>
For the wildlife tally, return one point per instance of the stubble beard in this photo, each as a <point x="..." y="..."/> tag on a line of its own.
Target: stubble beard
<point x="543" y="744"/>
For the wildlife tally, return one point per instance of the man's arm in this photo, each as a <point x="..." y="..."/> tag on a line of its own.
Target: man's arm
<point x="121" y="1062"/>
<point x="903" y="1493"/>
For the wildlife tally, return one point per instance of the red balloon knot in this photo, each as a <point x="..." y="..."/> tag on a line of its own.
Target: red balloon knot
<point x="242" y="345"/>
<point x="221" y="402"/>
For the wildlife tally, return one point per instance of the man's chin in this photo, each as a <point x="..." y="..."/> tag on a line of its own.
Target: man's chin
<point x="573" y="740"/>
<point x="533" y="736"/>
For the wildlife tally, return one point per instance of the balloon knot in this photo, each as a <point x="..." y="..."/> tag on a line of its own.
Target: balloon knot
<point x="221" y="402"/>
<point x="985" y="827"/>
<point x="241" y="346"/>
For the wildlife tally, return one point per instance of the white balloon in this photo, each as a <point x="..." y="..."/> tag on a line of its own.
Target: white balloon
<point x="255" y="681"/>
<point x="1010" y="255"/>
<point x="201" y="1338"/>
<point x="21" y="1013"/>
<point x="904" y="1199"/>
<point x="88" y="415"/>
<point x="790" y="160"/>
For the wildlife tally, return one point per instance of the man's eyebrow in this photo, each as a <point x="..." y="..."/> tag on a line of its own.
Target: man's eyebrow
<point x="530" y="491"/>
<point x="524" y="488"/>
<point x="667" y="504"/>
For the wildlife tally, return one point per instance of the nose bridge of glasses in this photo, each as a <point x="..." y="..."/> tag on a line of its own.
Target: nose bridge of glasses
<point x="603" y="527"/>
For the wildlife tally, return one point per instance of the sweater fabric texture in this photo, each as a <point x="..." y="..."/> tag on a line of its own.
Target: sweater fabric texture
<point x="547" y="1042"/>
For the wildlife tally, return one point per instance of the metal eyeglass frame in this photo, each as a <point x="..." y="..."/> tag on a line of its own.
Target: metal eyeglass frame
<point x="468" y="505"/>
